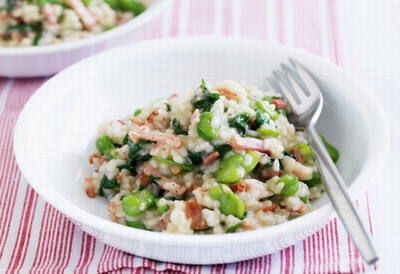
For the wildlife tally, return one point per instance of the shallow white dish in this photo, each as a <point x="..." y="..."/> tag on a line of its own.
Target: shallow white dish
<point x="48" y="60"/>
<point x="56" y="130"/>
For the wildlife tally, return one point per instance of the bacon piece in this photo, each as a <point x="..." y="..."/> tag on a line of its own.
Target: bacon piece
<point x="270" y="208"/>
<point x="279" y="103"/>
<point x="136" y="120"/>
<point x="238" y="142"/>
<point x="211" y="158"/>
<point x="50" y="13"/>
<point x="86" y="17"/>
<point x="297" y="156"/>
<point x="239" y="187"/>
<point x="163" y="181"/>
<point x="194" y="209"/>
<point x="144" y="132"/>
<point x="89" y="187"/>
<point x="229" y="94"/>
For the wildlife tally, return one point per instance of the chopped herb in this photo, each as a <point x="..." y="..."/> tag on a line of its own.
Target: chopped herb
<point x="176" y="126"/>
<point x="10" y="5"/>
<point x="37" y="38"/>
<point x="261" y="118"/>
<point x="153" y="179"/>
<point x="137" y="112"/>
<point x="173" y="163"/>
<point x="138" y="153"/>
<point x="205" y="100"/>
<point x="222" y="149"/>
<point x="106" y="183"/>
<point x="195" y="157"/>
<point x="168" y="106"/>
<point x="234" y="227"/>
<point x="240" y="122"/>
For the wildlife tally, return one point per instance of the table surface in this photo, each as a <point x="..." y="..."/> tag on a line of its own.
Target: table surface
<point x="367" y="46"/>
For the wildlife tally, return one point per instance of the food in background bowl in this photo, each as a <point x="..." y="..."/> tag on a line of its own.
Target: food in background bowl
<point x="46" y="22"/>
<point x="224" y="159"/>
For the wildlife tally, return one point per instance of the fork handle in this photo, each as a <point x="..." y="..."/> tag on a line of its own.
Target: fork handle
<point x="337" y="192"/>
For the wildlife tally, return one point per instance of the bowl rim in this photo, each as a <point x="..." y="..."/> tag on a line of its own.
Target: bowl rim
<point x="155" y="8"/>
<point x="323" y="214"/>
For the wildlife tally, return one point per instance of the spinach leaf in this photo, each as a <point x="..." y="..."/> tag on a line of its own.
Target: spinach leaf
<point x="106" y="183"/>
<point x="195" y="157"/>
<point x="205" y="100"/>
<point x="240" y="122"/>
<point x="261" y="118"/>
<point x="222" y="149"/>
<point x="138" y="153"/>
<point x="176" y="126"/>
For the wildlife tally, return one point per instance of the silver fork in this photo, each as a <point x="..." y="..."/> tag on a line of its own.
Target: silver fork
<point x="305" y="99"/>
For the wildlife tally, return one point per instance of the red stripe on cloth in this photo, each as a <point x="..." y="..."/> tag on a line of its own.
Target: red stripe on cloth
<point x="201" y="17"/>
<point x="87" y="251"/>
<point x="371" y="227"/>
<point x="175" y="18"/>
<point x="24" y="231"/>
<point x="254" y="19"/>
<point x="287" y="260"/>
<point x="333" y="28"/>
<point x="44" y="245"/>
<point x="9" y="180"/>
<point x="335" y="265"/>
<point x="10" y="175"/>
<point x="280" y="21"/>
<point x="57" y="232"/>
<point x="227" y="17"/>
<point x="307" y="33"/>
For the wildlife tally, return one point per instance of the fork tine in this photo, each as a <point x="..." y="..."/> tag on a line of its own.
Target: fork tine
<point x="299" y="90"/>
<point x="308" y="81"/>
<point x="284" y="90"/>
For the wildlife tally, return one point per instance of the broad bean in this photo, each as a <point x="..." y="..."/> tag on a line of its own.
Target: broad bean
<point x="291" y="184"/>
<point x="234" y="166"/>
<point x="205" y="128"/>
<point x="229" y="203"/>
<point x="136" y="203"/>
<point x="105" y="146"/>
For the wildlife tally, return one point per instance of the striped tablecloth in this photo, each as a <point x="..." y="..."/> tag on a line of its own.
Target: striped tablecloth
<point x="34" y="237"/>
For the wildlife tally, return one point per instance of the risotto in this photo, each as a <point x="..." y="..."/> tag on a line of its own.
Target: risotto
<point x="45" y="22"/>
<point x="223" y="159"/>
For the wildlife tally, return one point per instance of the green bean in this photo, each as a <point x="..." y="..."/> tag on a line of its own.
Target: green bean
<point x="105" y="146"/>
<point x="305" y="153"/>
<point x="136" y="203"/>
<point x="136" y="224"/>
<point x="315" y="180"/>
<point x="229" y="203"/>
<point x="115" y="5"/>
<point x="273" y="115"/>
<point x="234" y="227"/>
<point x="205" y="129"/>
<point x="333" y="152"/>
<point x="173" y="163"/>
<point x="291" y="184"/>
<point x="234" y="166"/>
<point x="268" y="132"/>
<point x="136" y="7"/>
<point x="161" y="208"/>
<point x="304" y="199"/>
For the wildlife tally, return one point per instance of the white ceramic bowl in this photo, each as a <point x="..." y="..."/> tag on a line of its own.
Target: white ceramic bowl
<point x="48" y="60"/>
<point x="56" y="130"/>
